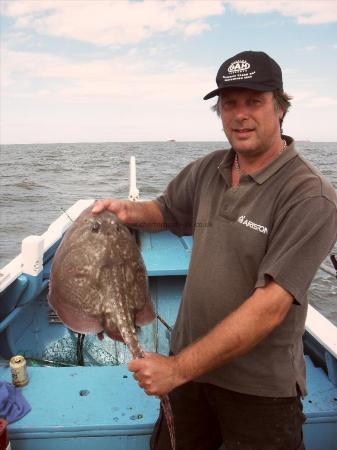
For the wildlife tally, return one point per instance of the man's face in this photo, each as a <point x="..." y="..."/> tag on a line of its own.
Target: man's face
<point x="250" y="120"/>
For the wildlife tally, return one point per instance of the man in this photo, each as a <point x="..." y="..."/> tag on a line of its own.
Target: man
<point x="236" y="373"/>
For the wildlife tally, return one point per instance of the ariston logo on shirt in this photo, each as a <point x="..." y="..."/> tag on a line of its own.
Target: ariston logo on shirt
<point x="254" y="226"/>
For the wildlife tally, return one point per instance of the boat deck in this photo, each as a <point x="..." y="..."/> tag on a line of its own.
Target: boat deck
<point x="69" y="405"/>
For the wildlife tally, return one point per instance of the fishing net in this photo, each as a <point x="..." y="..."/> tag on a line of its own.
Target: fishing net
<point x="88" y="351"/>
<point x="73" y="349"/>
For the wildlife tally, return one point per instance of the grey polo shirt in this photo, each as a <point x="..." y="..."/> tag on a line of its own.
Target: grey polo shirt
<point x="279" y="224"/>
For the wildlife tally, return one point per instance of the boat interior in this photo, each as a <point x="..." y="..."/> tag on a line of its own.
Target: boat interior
<point x="79" y="387"/>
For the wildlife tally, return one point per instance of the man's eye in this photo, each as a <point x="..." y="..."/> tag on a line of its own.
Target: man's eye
<point x="227" y="103"/>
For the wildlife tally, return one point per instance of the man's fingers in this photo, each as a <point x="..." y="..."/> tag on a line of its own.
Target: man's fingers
<point x="99" y="206"/>
<point x="134" y="365"/>
<point x="107" y="203"/>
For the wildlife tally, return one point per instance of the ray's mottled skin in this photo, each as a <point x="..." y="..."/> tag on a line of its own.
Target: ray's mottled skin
<point x="98" y="284"/>
<point x="98" y="280"/>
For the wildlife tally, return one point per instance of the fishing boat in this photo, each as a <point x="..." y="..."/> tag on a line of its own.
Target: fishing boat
<point x="80" y="392"/>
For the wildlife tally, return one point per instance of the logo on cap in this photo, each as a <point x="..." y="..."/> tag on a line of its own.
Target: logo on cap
<point x="240" y="65"/>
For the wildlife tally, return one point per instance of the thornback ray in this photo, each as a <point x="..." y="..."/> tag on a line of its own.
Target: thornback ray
<point x="98" y="283"/>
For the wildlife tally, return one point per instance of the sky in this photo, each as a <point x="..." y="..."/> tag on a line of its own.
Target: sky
<point x="105" y="71"/>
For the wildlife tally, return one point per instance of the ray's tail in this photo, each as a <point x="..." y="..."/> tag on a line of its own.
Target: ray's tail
<point x="165" y="401"/>
<point x="130" y="337"/>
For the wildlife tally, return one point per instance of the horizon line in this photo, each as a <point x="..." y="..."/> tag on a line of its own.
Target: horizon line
<point x="171" y="141"/>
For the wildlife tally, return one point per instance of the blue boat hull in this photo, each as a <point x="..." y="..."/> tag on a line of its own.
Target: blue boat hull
<point x="101" y="406"/>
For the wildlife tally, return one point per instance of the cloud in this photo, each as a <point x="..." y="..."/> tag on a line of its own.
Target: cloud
<point x="119" y="78"/>
<point x="311" y="99"/>
<point x="195" y="28"/>
<point x="321" y="102"/>
<point x="309" y="12"/>
<point x="107" y="23"/>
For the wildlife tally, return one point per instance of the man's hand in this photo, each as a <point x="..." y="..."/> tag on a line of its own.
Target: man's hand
<point x="140" y="215"/>
<point x="122" y="208"/>
<point x="156" y="374"/>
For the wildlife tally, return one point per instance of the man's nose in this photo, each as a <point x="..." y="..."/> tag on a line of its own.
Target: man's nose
<point x="241" y="112"/>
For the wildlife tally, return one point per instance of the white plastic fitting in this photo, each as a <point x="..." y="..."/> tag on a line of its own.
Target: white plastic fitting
<point x="32" y="255"/>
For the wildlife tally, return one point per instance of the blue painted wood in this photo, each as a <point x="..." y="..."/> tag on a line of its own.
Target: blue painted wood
<point x="22" y="292"/>
<point x="321" y="400"/>
<point x="10" y="318"/>
<point x="10" y="297"/>
<point x="168" y="297"/>
<point x="165" y="253"/>
<point x="116" y="414"/>
<point x="84" y="443"/>
<point x="331" y="364"/>
<point x="320" y="436"/>
<point x="320" y="409"/>
<point x="114" y="405"/>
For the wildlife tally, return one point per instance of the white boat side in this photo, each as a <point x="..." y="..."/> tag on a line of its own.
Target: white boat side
<point x="33" y="248"/>
<point x="324" y="331"/>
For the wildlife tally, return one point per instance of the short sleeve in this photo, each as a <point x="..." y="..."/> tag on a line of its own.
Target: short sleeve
<point x="300" y="238"/>
<point x="176" y="203"/>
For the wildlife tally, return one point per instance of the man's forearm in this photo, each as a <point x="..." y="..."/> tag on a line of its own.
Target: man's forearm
<point x="236" y="334"/>
<point x="146" y="216"/>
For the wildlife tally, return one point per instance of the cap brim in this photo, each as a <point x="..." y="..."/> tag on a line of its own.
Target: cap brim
<point x="262" y="88"/>
<point x="213" y="93"/>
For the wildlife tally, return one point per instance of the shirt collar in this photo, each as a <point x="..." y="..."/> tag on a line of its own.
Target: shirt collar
<point x="225" y="166"/>
<point x="264" y="174"/>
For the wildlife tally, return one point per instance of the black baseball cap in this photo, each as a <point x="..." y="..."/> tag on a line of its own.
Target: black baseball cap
<point x="252" y="70"/>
